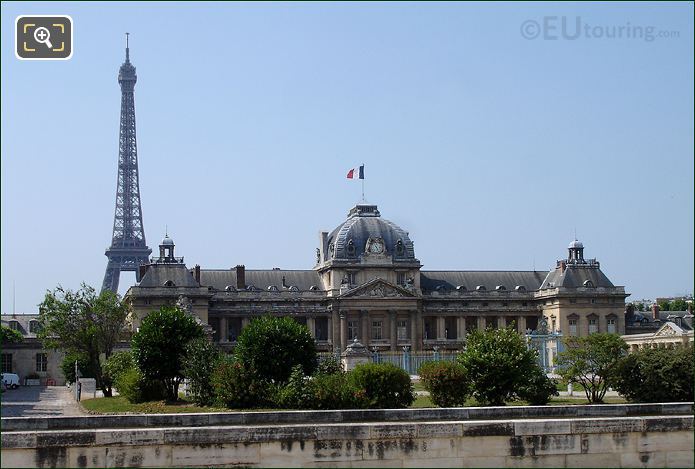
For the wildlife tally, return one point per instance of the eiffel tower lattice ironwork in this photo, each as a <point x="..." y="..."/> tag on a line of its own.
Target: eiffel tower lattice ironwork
<point x="128" y="248"/>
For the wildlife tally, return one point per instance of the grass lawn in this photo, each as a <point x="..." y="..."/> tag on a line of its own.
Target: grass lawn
<point x="120" y="405"/>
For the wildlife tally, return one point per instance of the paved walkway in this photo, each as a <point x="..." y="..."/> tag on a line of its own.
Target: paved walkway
<point x="32" y="401"/>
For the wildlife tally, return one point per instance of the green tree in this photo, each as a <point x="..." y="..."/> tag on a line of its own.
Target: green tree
<point x="68" y="366"/>
<point x="117" y="364"/>
<point x="159" y="346"/>
<point x="678" y="305"/>
<point x="664" y="306"/>
<point x="656" y="375"/>
<point x="85" y="323"/>
<point x="383" y="385"/>
<point x="591" y="362"/>
<point x="10" y="336"/>
<point x="200" y="361"/>
<point x="498" y="364"/>
<point x="272" y="346"/>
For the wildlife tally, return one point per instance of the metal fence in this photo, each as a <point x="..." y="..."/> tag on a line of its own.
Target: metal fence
<point x="407" y="360"/>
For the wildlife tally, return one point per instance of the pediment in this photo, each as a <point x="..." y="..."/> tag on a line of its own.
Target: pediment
<point x="668" y="329"/>
<point x="378" y="288"/>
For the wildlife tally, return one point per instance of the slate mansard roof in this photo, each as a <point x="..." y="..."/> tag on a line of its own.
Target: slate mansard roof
<point x="490" y="280"/>
<point x="574" y="277"/>
<point x="262" y="279"/>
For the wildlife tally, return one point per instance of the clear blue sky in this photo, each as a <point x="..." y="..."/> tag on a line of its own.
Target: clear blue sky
<point x="488" y="147"/>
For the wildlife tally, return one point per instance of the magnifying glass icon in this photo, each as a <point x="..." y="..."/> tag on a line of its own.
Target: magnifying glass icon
<point x="43" y="35"/>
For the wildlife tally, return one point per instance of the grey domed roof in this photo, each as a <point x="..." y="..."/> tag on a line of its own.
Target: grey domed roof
<point x="167" y="241"/>
<point x="364" y="222"/>
<point x="575" y="244"/>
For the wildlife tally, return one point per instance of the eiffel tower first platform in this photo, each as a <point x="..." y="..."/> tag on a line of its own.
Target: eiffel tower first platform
<point x="128" y="248"/>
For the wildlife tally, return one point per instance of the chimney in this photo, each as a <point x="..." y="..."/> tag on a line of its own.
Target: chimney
<point x="655" y="311"/>
<point x="240" y="277"/>
<point x="563" y="266"/>
<point x="197" y="273"/>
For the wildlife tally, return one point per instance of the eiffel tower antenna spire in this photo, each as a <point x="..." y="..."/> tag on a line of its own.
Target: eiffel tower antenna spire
<point x="128" y="249"/>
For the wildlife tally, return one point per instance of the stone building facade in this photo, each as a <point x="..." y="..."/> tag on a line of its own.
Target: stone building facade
<point x="29" y="357"/>
<point x="368" y="284"/>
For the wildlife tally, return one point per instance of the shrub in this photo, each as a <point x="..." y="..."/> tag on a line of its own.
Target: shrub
<point x="117" y="364"/>
<point x="336" y="391"/>
<point x="296" y="393"/>
<point x="273" y="346"/>
<point x="446" y="382"/>
<point x="200" y="360"/>
<point x="538" y="389"/>
<point x="385" y="386"/>
<point x="329" y="366"/>
<point x="497" y="363"/>
<point x="656" y="375"/>
<point x="239" y="387"/>
<point x="159" y="346"/>
<point x="136" y="388"/>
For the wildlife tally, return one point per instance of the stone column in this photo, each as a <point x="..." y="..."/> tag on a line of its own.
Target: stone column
<point x="393" y="331"/>
<point x="416" y="339"/>
<point x="481" y="323"/>
<point x="501" y="322"/>
<point x="412" y="317"/>
<point x="343" y="330"/>
<point x="245" y="322"/>
<point x="364" y="326"/>
<point x="460" y="328"/>
<point x="522" y="324"/>
<point x="224" y="331"/>
<point x="440" y="327"/>
<point x="311" y="326"/>
<point x="334" y="330"/>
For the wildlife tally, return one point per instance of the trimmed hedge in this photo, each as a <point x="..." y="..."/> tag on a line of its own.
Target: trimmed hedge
<point x="446" y="382"/>
<point x="385" y="385"/>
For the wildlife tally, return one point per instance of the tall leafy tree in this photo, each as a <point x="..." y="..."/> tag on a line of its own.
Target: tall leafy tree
<point x="272" y="346"/>
<point x="498" y="364"/>
<point x="592" y="361"/>
<point x="83" y="322"/>
<point x="159" y="346"/>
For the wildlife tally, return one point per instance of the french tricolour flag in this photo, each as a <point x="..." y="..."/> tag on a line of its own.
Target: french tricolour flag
<point x="356" y="173"/>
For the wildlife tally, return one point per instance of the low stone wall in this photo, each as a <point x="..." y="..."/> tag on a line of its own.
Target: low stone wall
<point x="608" y="441"/>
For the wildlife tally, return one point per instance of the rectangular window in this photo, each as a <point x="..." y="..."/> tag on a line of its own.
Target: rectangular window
<point x="593" y="326"/>
<point x="402" y="327"/>
<point x="7" y="363"/>
<point x="573" y="327"/>
<point x="34" y="327"/>
<point x="450" y="331"/>
<point x="593" y="301"/>
<point x="491" y="323"/>
<point x="352" y="278"/>
<point x="611" y="326"/>
<point x="233" y="329"/>
<point x="301" y="320"/>
<point x="14" y="325"/>
<point x="352" y="330"/>
<point x="430" y="328"/>
<point x="321" y="328"/>
<point x="41" y="362"/>
<point x="377" y="329"/>
<point x="400" y="278"/>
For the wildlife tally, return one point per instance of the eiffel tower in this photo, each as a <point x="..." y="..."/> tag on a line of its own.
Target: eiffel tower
<point x="128" y="248"/>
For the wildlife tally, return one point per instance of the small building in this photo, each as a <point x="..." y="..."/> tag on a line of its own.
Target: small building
<point x="29" y="357"/>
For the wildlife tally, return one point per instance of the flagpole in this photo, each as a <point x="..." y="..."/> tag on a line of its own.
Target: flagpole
<point x="363" y="185"/>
